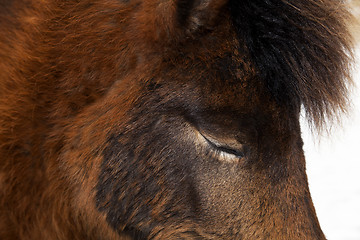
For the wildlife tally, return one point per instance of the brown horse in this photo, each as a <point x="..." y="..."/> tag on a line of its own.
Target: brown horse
<point x="164" y="119"/>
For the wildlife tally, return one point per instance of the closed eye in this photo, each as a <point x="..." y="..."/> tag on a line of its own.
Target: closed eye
<point x="225" y="149"/>
<point x="228" y="150"/>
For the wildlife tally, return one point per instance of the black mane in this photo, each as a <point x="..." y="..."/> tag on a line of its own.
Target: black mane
<point x="301" y="49"/>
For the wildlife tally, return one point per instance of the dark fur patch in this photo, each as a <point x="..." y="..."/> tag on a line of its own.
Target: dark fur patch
<point x="183" y="11"/>
<point x="114" y="197"/>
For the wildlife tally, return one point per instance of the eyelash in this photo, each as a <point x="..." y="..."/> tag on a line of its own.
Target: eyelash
<point x="224" y="151"/>
<point x="230" y="151"/>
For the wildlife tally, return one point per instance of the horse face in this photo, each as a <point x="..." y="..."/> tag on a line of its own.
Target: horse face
<point x="206" y="156"/>
<point x="197" y="146"/>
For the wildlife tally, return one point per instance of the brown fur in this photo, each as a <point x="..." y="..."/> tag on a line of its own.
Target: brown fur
<point x="103" y="102"/>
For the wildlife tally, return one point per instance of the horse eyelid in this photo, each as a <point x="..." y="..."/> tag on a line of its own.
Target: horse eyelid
<point x="231" y="151"/>
<point x="224" y="148"/>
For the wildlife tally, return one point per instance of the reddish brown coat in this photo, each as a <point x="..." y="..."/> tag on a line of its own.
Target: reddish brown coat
<point x="168" y="119"/>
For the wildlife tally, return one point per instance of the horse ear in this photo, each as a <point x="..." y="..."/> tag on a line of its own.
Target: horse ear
<point x="194" y="15"/>
<point x="159" y="21"/>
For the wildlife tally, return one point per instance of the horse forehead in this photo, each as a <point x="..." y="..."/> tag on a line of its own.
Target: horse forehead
<point x="217" y="68"/>
<point x="230" y="82"/>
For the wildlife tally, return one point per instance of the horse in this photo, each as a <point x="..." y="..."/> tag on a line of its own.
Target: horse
<point x="165" y="119"/>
